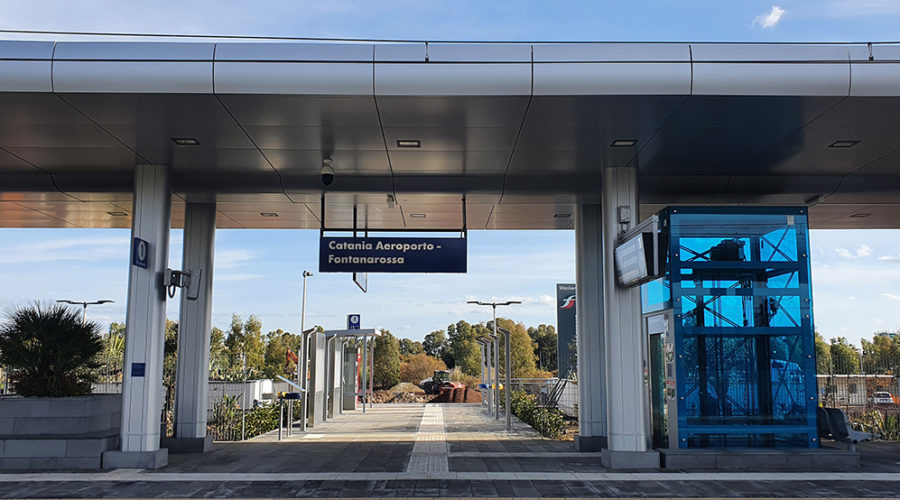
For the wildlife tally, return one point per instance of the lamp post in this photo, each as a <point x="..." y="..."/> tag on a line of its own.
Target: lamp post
<point x="304" y="354"/>
<point x="508" y="376"/>
<point x="507" y="386"/>
<point x="84" y="305"/>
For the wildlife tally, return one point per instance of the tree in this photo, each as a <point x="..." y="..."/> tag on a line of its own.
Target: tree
<point x="844" y="357"/>
<point x="419" y="367"/>
<point x="521" y="349"/>
<point x="544" y="337"/>
<point x="463" y="347"/>
<point x="823" y="355"/>
<point x="386" y="361"/>
<point x="434" y="343"/>
<point x="218" y="355"/>
<point x="276" y="359"/>
<point x="170" y="355"/>
<point x="245" y="339"/>
<point x="113" y="353"/>
<point x="49" y="350"/>
<point x="409" y="347"/>
<point x="882" y="355"/>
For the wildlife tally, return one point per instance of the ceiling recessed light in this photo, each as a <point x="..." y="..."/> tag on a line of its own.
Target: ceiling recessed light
<point x="118" y="214"/>
<point x="268" y="214"/>
<point x="843" y="144"/>
<point x="860" y="215"/>
<point x="623" y="143"/>
<point x="185" y="141"/>
<point x="408" y="143"/>
<point x="417" y="216"/>
<point x="562" y="216"/>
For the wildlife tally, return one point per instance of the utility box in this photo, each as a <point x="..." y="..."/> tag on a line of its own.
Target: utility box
<point x="731" y="352"/>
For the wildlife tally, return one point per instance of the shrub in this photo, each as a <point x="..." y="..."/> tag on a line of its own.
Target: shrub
<point x="550" y="422"/>
<point x="225" y="424"/>
<point x="50" y="351"/>
<point x="419" y="367"/>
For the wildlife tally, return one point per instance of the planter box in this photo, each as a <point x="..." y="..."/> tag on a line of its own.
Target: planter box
<point x="58" y="433"/>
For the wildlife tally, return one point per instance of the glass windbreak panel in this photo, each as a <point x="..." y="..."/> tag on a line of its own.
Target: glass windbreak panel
<point x="721" y="377"/>
<point x="744" y="380"/>
<point x="656" y="295"/>
<point x="716" y="311"/>
<point x="787" y="379"/>
<point x="779" y="245"/>
<point x="779" y="278"/>
<point x="740" y="311"/>
<point x="713" y="249"/>
<point x="738" y="237"/>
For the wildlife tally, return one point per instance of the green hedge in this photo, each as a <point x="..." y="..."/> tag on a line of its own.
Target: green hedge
<point x="226" y="419"/>
<point x="550" y="422"/>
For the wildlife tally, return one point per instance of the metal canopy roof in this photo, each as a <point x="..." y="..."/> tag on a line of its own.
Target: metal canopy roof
<point x="521" y="130"/>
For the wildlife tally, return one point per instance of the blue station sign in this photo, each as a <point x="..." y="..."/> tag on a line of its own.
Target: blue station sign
<point x="392" y="255"/>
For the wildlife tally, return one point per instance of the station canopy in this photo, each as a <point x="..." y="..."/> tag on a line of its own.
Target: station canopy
<point x="521" y="130"/>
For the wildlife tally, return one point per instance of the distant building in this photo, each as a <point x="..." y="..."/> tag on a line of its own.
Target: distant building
<point x="854" y="390"/>
<point x="892" y="335"/>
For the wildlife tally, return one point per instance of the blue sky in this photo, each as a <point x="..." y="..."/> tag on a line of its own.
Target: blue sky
<point x="856" y="279"/>
<point x="856" y="275"/>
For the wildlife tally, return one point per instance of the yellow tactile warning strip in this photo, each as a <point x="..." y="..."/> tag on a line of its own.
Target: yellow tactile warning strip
<point x="429" y="454"/>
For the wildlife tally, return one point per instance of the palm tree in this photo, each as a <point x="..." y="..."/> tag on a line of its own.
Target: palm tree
<point x="49" y="350"/>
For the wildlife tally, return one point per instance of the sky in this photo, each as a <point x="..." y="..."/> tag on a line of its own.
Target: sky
<point x="856" y="274"/>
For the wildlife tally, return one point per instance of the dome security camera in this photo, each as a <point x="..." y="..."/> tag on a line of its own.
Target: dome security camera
<point x="327" y="171"/>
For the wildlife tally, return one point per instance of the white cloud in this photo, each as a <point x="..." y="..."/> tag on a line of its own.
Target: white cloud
<point x="862" y="251"/>
<point x="769" y="19"/>
<point x="843" y="252"/>
<point x="227" y="259"/>
<point x="889" y="258"/>
<point x="892" y="296"/>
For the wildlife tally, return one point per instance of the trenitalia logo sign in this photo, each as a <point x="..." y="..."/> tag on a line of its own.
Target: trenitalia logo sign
<point x="565" y="327"/>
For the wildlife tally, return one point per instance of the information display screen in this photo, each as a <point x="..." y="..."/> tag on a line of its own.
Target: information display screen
<point x="631" y="261"/>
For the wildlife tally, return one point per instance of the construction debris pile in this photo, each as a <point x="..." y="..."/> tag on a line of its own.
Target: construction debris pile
<point x="460" y="395"/>
<point x="411" y="393"/>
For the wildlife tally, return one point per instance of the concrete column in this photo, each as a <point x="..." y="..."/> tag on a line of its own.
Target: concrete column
<point x="194" y="324"/>
<point x="145" y="325"/>
<point x="627" y="412"/>
<point x="589" y="274"/>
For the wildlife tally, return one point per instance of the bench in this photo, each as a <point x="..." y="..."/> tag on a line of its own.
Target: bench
<point x="833" y="423"/>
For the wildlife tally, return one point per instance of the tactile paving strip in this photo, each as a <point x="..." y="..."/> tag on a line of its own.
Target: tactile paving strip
<point x="429" y="453"/>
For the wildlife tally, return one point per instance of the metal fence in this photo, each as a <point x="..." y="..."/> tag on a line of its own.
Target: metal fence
<point x="551" y="392"/>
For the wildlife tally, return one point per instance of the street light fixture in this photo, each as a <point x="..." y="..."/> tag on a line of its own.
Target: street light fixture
<point x="84" y="305"/>
<point x="507" y="333"/>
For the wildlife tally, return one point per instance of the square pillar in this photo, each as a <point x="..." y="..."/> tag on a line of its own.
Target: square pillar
<point x="142" y="392"/>
<point x="591" y="344"/>
<point x="194" y="324"/>
<point x="626" y="398"/>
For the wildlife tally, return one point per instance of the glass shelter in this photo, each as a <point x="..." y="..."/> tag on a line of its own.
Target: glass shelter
<point x="731" y="356"/>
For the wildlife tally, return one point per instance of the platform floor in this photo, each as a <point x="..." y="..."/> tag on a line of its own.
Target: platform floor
<point x="448" y="450"/>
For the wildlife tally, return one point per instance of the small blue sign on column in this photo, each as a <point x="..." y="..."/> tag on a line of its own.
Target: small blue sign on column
<point x="353" y="321"/>
<point x="137" y="369"/>
<point x="140" y="253"/>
